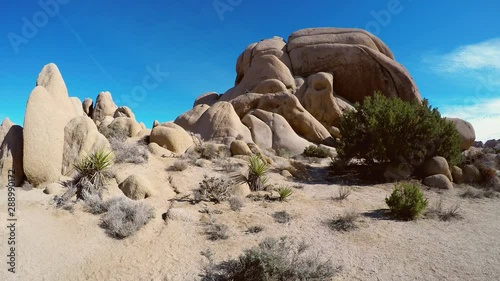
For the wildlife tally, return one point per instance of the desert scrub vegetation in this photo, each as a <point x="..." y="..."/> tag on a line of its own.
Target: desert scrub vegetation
<point x="284" y="193"/>
<point x="209" y="151"/>
<point x="342" y="193"/>
<point x="345" y="222"/>
<point x="124" y="216"/>
<point x="236" y="203"/>
<point x="272" y="260"/>
<point x="255" y="229"/>
<point x="213" y="189"/>
<point x="475" y="193"/>
<point x="126" y="152"/>
<point x="383" y="129"/>
<point x="179" y="166"/>
<point x="316" y="152"/>
<point x="256" y="176"/>
<point x="113" y="133"/>
<point x="216" y="231"/>
<point x="282" y="217"/>
<point x="438" y="211"/>
<point x="93" y="172"/>
<point x="406" y="201"/>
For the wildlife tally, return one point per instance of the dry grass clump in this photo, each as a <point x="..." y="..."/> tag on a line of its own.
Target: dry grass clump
<point x="126" y="152"/>
<point x="474" y="193"/>
<point x="343" y="193"/>
<point x="179" y="166"/>
<point x="94" y="203"/>
<point x="282" y="217"/>
<point x="345" y="222"/>
<point x="236" y="203"/>
<point x="272" y="260"/>
<point x="438" y="211"/>
<point x="255" y="229"/>
<point x="216" y="231"/>
<point x="213" y="189"/>
<point x="125" y="216"/>
<point x="114" y="132"/>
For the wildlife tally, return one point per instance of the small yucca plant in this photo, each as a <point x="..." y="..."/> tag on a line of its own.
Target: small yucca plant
<point x="257" y="170"/>
<point x="92" y="172"/>
<point x="284" y="193"/>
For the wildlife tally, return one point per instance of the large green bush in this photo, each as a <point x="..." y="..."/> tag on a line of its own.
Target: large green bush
<point x="406" y="201"/>
<point x="391" y="130"/>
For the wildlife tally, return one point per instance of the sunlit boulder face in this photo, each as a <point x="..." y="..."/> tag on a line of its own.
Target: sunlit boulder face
<point x="48" y="110"/>
<point x="309" y="81"/>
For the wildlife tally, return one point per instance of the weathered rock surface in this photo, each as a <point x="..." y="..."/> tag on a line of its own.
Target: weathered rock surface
<point x="239" y="147"/>
<point x="104" y="106"/>
<point x="471" y="174"/>
<point x="438" y="181"/>
<point x="136" y="187"/>
<point x="48" y="110"/>
<point x="209" y="99"/>
<point x="81" y="138"/>
<point x="11" y="153"/>
<point x="221" y="122"/>
<point x="188" y="119"/>
<point x="366" y="63"/>
<point x="437" y="165"/>
<point x="172" y="137"/>
<point x="127" y="125"/>
<point x="466" y="132"/>
<point x="283" y="136"/>
<point x="124" y="111"/>
<point x="88" y="107"/>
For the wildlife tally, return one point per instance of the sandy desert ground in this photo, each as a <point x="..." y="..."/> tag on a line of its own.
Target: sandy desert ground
<point x="55" y="244"/>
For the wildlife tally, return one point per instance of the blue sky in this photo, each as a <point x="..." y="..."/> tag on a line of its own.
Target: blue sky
<point x="451" y="48"/>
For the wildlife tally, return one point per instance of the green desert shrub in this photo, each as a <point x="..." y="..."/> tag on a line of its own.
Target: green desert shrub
<point x="284" y="193"/>
<point x="273" y="260"/>
<point x="406" y="201"/>
<point x="92" y="172"/>
<point x="386" y="129"/>
<point x="124" y="216"/>
<point x="316" y="151"/>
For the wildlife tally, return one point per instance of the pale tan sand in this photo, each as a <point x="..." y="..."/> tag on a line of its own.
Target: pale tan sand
<point x="55" y="244"/>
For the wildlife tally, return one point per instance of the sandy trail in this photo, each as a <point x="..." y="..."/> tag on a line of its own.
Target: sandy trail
<point x="54" y="244"/>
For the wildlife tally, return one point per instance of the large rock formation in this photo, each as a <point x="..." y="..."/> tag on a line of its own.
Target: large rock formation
<point x="48" y="110"/>
<point x="11" y="153"/>
<point x="104" y="106"/>
<point x="307" y="83"/>
<point x="81" y="138"/>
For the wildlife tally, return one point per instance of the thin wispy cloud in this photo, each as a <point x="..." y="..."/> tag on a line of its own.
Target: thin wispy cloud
<point x="484" y="115"/>
<point x="482" y="56"/>
<point x="477" y="65"/>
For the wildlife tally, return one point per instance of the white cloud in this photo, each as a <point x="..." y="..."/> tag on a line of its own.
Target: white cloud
<point x="484" y="115"/>
<point x="481" y="56"/>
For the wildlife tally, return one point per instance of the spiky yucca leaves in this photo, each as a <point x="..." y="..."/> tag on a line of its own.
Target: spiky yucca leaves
<point x="257" y="170"/>
<point x="284" y="193"/>
<point x="92" y="172"/>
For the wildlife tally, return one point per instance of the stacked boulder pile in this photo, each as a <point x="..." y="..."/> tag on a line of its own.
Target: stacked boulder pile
<point x="287" y="96"/>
